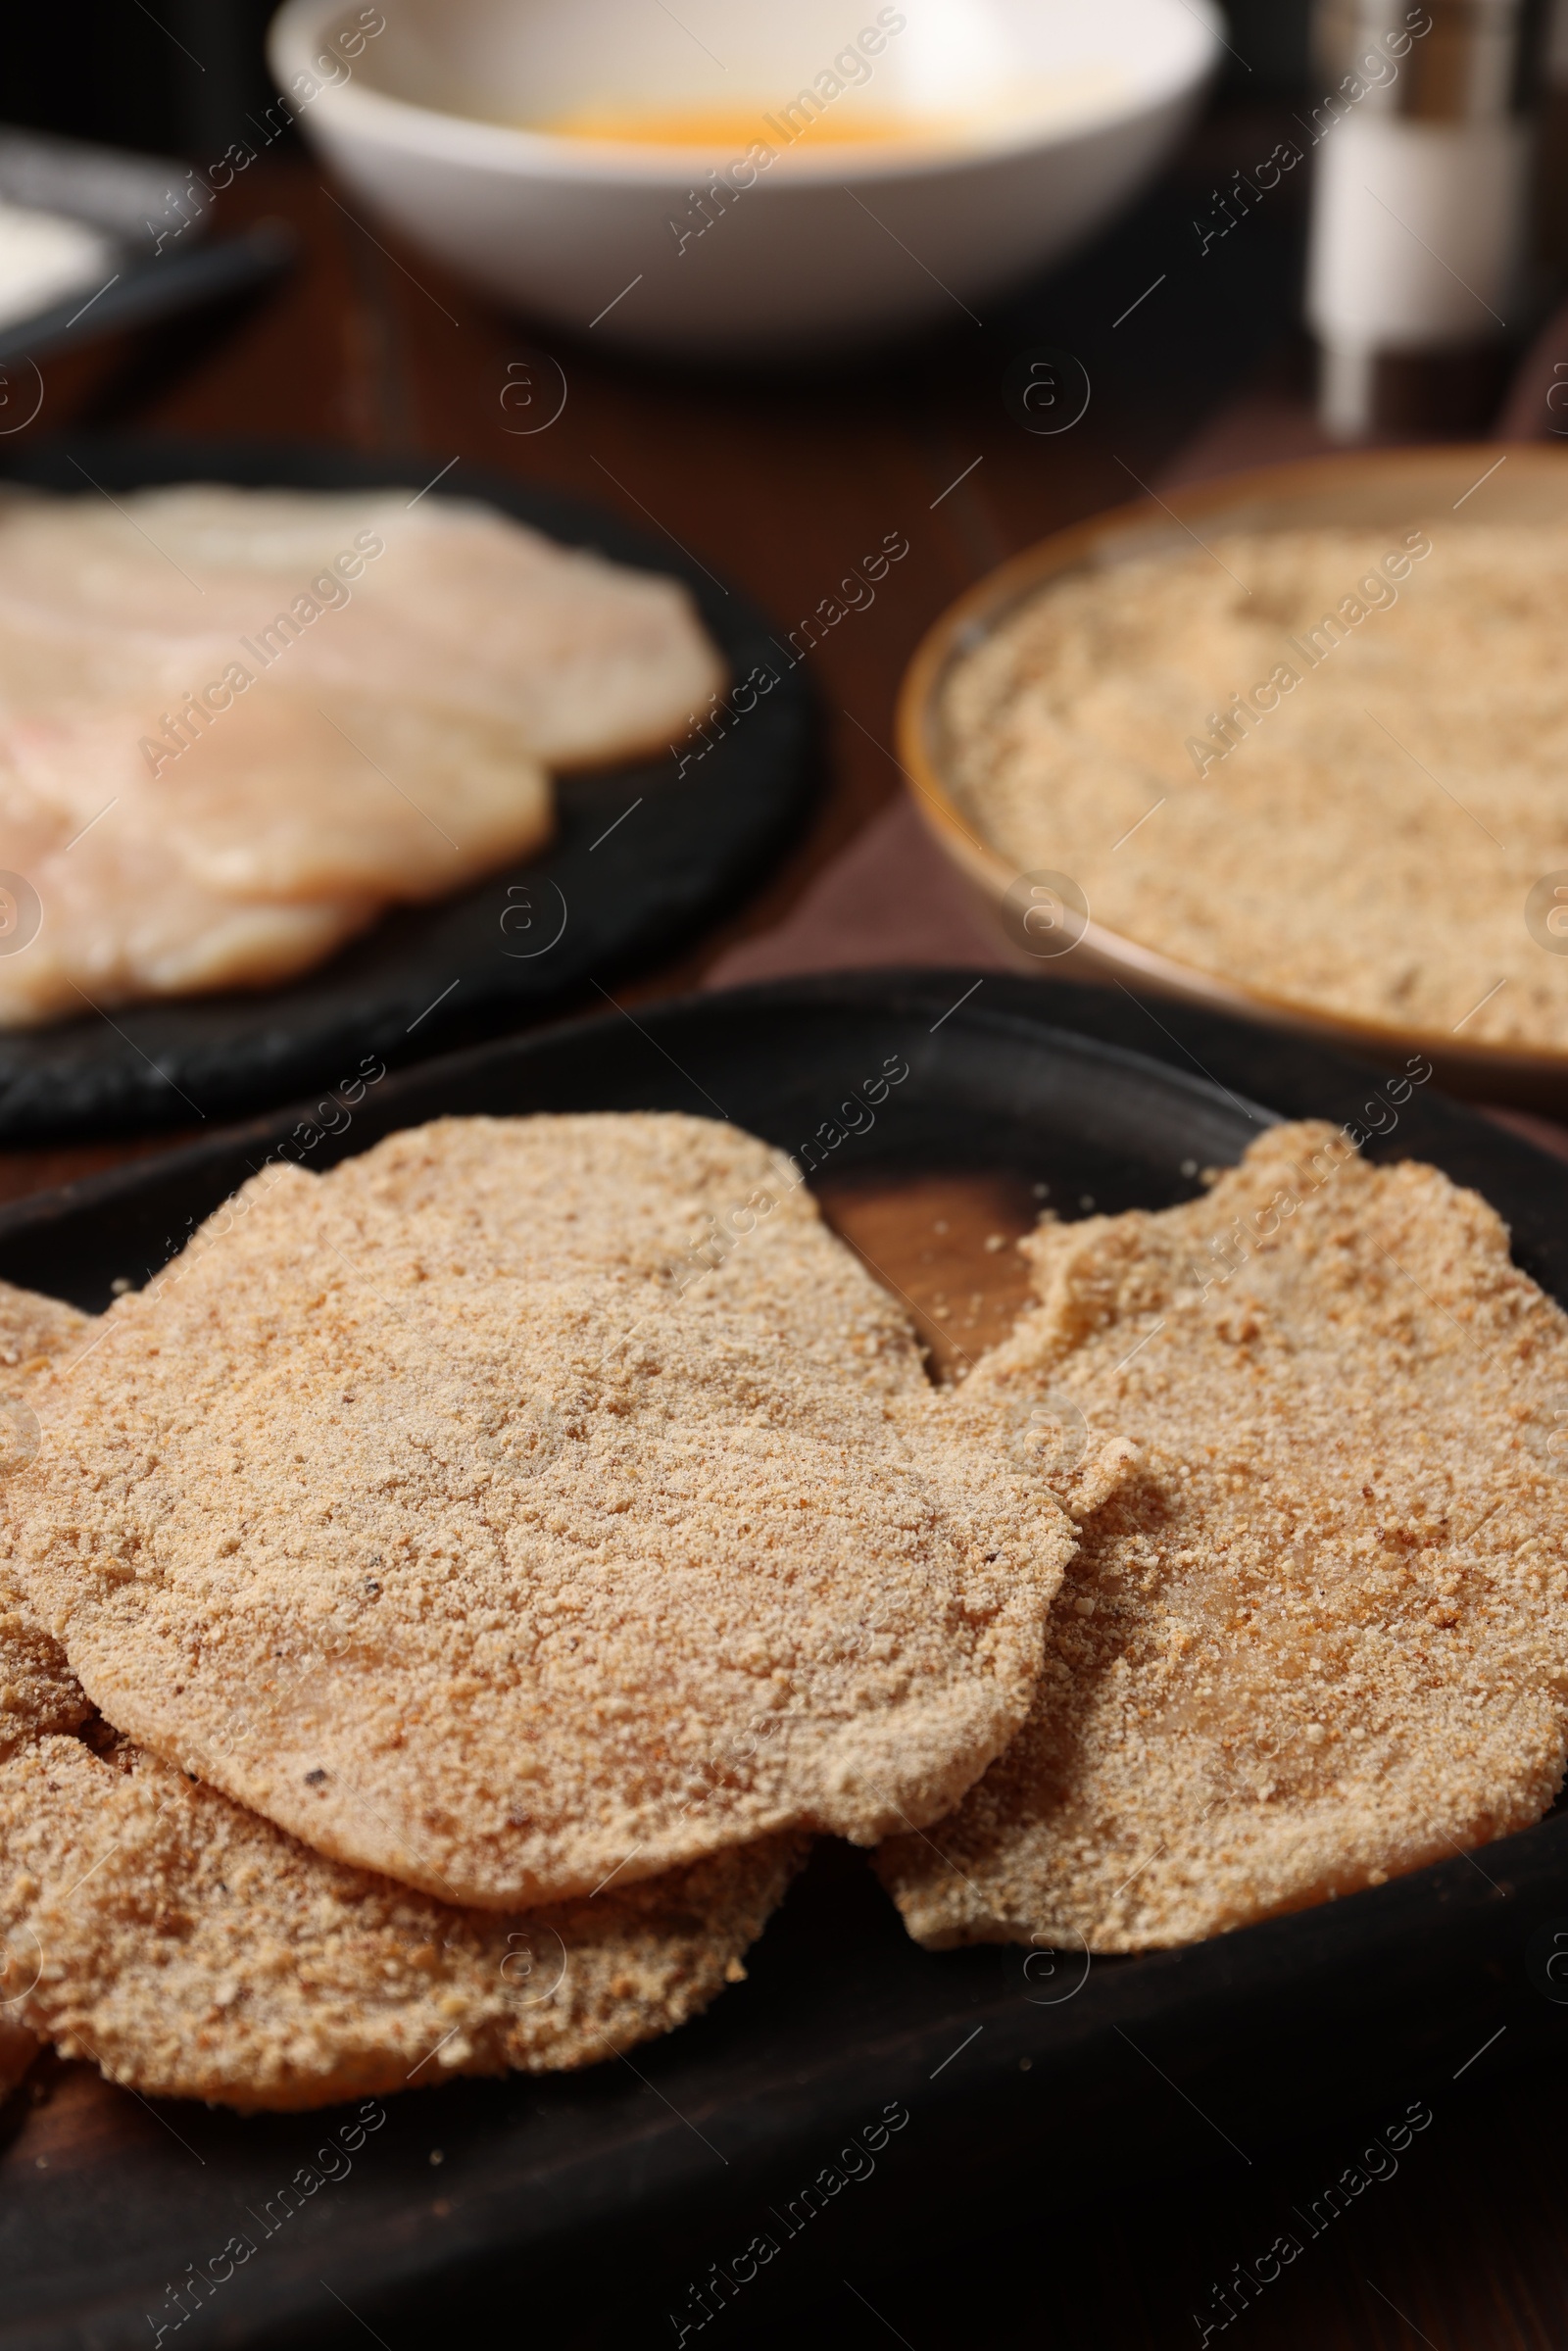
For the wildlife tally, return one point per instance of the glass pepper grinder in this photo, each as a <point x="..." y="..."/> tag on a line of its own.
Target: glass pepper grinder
<point x="1420" y="207"/>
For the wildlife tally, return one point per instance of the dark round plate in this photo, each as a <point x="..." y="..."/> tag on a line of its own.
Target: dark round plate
<point x="592" y="2208"/>
<point x="425" y="978"/>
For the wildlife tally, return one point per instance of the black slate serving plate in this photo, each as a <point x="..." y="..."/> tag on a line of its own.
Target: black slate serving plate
<point x="988" y="2082"/>
<point x="598" y="900"/>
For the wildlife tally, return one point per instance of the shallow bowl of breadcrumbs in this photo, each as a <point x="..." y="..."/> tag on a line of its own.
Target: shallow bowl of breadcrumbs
<point x="1293" y="744"/>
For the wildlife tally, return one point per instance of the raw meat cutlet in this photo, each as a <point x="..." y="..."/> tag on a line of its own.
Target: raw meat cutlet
<point x="121" y="920"/>
<point x="276" y="835"/>
<point x="235" y="725"/>
<point x="292" y="794"/>
<point x="1321" y="1636"/>
<point x="445" y="601"/>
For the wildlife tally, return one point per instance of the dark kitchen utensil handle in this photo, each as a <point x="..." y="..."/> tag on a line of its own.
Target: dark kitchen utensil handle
<point x="156" y="290"/>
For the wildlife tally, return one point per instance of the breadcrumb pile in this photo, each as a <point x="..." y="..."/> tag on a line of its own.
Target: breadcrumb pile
<point x="1358" y="841"/>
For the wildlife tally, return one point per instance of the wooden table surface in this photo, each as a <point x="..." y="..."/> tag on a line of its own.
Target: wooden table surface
<point x="781" y="481"/>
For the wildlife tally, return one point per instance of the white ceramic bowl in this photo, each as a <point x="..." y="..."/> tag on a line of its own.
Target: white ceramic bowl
<point x="1042" y="116"/>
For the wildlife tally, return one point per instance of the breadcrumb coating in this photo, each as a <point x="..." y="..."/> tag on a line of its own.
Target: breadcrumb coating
<point x="1320" y="1637"/>
<point x="192" y="1949"/>
<point x="38" y="1691"/>
<point x="721" y="1218"/>
<point x="208" y="1955"/>
<point x="504" y="1576"/>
